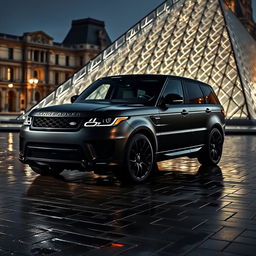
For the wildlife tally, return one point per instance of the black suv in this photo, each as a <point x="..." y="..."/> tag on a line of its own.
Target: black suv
<point x="126" y="123"/>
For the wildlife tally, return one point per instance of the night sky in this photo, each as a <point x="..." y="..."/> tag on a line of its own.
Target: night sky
<point x="54" y="16"/>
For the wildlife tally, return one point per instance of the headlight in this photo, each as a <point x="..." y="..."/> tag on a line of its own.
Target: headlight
<point x="27" y="121"/>
<point x="102" y="122"/>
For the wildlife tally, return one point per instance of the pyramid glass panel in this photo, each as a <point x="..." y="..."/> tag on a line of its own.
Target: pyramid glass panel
<point x="198" y="39"/>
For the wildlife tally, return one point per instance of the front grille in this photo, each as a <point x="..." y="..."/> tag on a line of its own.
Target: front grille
<point x="54" y="153"/>
<point x="57" y="122"/>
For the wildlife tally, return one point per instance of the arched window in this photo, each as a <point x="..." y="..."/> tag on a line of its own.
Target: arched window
<point x="38" y="73"/>
<point x="35" y="74"/>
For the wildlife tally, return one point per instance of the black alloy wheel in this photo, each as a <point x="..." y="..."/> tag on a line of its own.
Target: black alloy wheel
<point x="212" y="152"/>
<point x="140" y="158"/>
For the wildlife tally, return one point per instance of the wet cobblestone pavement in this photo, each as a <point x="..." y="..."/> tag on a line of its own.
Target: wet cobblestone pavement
<point x="185" y="210"/>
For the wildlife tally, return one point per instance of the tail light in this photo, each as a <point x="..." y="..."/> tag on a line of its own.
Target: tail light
<point x="223" y="112"/>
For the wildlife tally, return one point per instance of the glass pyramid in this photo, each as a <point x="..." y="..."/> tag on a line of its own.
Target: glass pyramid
<point x="199" y="39"/>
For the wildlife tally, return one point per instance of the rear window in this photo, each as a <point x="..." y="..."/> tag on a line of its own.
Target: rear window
<point x="209" y="95"/>
<point x="195" y="95"/>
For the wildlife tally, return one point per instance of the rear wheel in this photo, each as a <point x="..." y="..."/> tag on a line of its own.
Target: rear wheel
<point x="45" y="170"/>
<point x="212" y="151"/>
<point x="139" y="160"/>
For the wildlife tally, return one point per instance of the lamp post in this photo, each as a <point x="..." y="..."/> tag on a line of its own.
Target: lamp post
<point x="33" y="82"/>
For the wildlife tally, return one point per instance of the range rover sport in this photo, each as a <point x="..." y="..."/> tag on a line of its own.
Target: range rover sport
<point x="126" y="123"/>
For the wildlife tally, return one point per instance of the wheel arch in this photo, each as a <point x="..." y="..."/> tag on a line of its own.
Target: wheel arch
<point x="148" y="133"/>
<point x="216" y="122"/>
<point x="219" y="127"/>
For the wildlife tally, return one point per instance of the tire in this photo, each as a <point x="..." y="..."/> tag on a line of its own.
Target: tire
<point x="139" y="160"/>
<point x="45" y="170"/>
<point x="212" y="151"/>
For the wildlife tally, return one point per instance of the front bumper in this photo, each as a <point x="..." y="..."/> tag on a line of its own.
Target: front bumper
<point x="85" y="148"/>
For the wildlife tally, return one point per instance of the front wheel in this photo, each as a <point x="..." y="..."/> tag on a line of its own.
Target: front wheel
<point x="212" y="151"/>
<point x="139" y="160"/>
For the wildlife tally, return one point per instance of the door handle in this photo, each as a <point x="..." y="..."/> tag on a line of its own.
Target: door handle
<point x="184" y="112"/>
<point x="155" y="117"/>
<point x="208" y="110"/>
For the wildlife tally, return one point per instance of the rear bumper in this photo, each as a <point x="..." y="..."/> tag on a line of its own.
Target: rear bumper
<point x="86" y="148"/>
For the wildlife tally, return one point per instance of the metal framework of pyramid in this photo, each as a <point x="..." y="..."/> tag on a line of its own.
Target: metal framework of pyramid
<point x="199" y="39"/>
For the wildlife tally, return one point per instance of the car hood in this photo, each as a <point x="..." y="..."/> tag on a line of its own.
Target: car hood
<point x="91" y="109"/>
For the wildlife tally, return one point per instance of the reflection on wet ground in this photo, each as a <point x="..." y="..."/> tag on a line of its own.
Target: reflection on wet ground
<point x="185" y="210"/>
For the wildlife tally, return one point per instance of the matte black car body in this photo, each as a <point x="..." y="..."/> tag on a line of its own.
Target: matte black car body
<point x="56" y="137"/>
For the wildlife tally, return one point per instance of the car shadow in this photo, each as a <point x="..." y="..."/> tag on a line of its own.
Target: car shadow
<point x="75" y="181"/>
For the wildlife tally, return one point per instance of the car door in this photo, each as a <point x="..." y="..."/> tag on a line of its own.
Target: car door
<point x="172" y="119"/>
<point x="198" y="113"/>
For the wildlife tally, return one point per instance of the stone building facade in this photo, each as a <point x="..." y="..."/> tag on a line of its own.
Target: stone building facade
<point x="243" y="10"/>
<point x="33" y="65"/>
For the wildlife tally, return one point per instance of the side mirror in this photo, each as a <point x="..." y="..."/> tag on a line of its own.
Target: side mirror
<point x="73" y="98"/>
<point x="172" y="99"/>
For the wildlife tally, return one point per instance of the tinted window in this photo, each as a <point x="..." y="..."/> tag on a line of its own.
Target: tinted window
<point x="173" y="86"/>
<point x="209" y="95"/>
<point x="195" y="95"/>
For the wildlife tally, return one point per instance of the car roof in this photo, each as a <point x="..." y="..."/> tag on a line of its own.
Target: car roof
<point x="157" y="76"/>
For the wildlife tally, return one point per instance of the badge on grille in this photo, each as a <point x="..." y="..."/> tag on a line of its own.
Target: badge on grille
<point x="72" y="123"/>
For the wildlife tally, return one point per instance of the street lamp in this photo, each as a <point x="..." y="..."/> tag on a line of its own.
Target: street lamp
<point x="33" y="82"/>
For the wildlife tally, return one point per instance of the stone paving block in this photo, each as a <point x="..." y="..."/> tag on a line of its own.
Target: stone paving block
<point x="249" y="233"/>
<point x="241" y="249"/>
<point x="245" y="240"/>
<point x="207" y="252"/>
<point x="228" y="234"/>
<point x="213" y="244"/>
<point x="186" y="244"/>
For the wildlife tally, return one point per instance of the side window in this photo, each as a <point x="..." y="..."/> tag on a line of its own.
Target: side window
<point x="195" y="95"/>
<point x="209" y="95"/>
<point x="173" y="86"/>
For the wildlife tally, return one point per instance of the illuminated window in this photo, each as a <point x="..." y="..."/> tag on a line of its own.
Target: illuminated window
<point x="231" y="4"/>
<point x="10" y="74"/>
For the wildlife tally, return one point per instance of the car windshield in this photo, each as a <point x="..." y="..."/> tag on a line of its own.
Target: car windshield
<point x="127" y="89"/>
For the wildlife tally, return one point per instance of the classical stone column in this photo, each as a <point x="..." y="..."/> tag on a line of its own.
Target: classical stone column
<point x="4" y="106"/>
<point x="29" y="97"/>
<point x="2" y="74"/>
